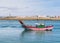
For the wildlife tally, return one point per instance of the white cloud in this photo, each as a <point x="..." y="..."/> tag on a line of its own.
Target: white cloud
<point x="29" y="7"/>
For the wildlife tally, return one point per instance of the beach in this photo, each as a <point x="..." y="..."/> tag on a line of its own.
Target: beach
<point x="29" y="18"/>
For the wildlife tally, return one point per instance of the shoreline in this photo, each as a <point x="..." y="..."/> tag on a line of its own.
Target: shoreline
<point x="29" y="18"/>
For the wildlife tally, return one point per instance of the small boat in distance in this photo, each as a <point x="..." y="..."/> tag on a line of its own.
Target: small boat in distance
<point x="41" y="27"/>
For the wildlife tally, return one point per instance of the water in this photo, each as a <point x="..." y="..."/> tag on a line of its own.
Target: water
<point x="12" y="32"/>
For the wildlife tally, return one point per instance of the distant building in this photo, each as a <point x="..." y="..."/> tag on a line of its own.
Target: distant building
<point x="40" y="16"/>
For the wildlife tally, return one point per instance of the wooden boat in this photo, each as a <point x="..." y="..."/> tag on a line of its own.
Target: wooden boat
<point x="34" y="28"/>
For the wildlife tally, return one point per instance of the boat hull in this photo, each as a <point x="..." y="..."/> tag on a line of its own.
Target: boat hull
<point x="47" y="28"/>
<point x="34" y="28"/>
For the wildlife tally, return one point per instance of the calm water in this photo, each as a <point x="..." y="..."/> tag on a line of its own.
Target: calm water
<point x="12" y="32"/>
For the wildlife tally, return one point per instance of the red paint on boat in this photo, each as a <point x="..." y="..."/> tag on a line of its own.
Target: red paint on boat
<point x="35" y="28"/>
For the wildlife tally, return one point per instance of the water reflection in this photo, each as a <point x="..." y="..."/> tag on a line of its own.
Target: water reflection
<point x="34" y="36"/>
<point x="35" y="33"/>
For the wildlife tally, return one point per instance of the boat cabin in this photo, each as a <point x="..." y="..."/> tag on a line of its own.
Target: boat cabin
<point x="41" y="25"/>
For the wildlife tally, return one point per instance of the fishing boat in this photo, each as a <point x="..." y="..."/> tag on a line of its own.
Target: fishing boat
<point x="37" y="28"/>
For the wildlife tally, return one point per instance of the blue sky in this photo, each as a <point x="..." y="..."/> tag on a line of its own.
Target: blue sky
<point x="29" y="7"/>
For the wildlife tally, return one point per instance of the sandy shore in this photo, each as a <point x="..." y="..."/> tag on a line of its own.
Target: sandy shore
<point x="29" y="18"/>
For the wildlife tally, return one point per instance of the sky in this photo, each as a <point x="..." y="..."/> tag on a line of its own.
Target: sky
<point x="30" y="7"/>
